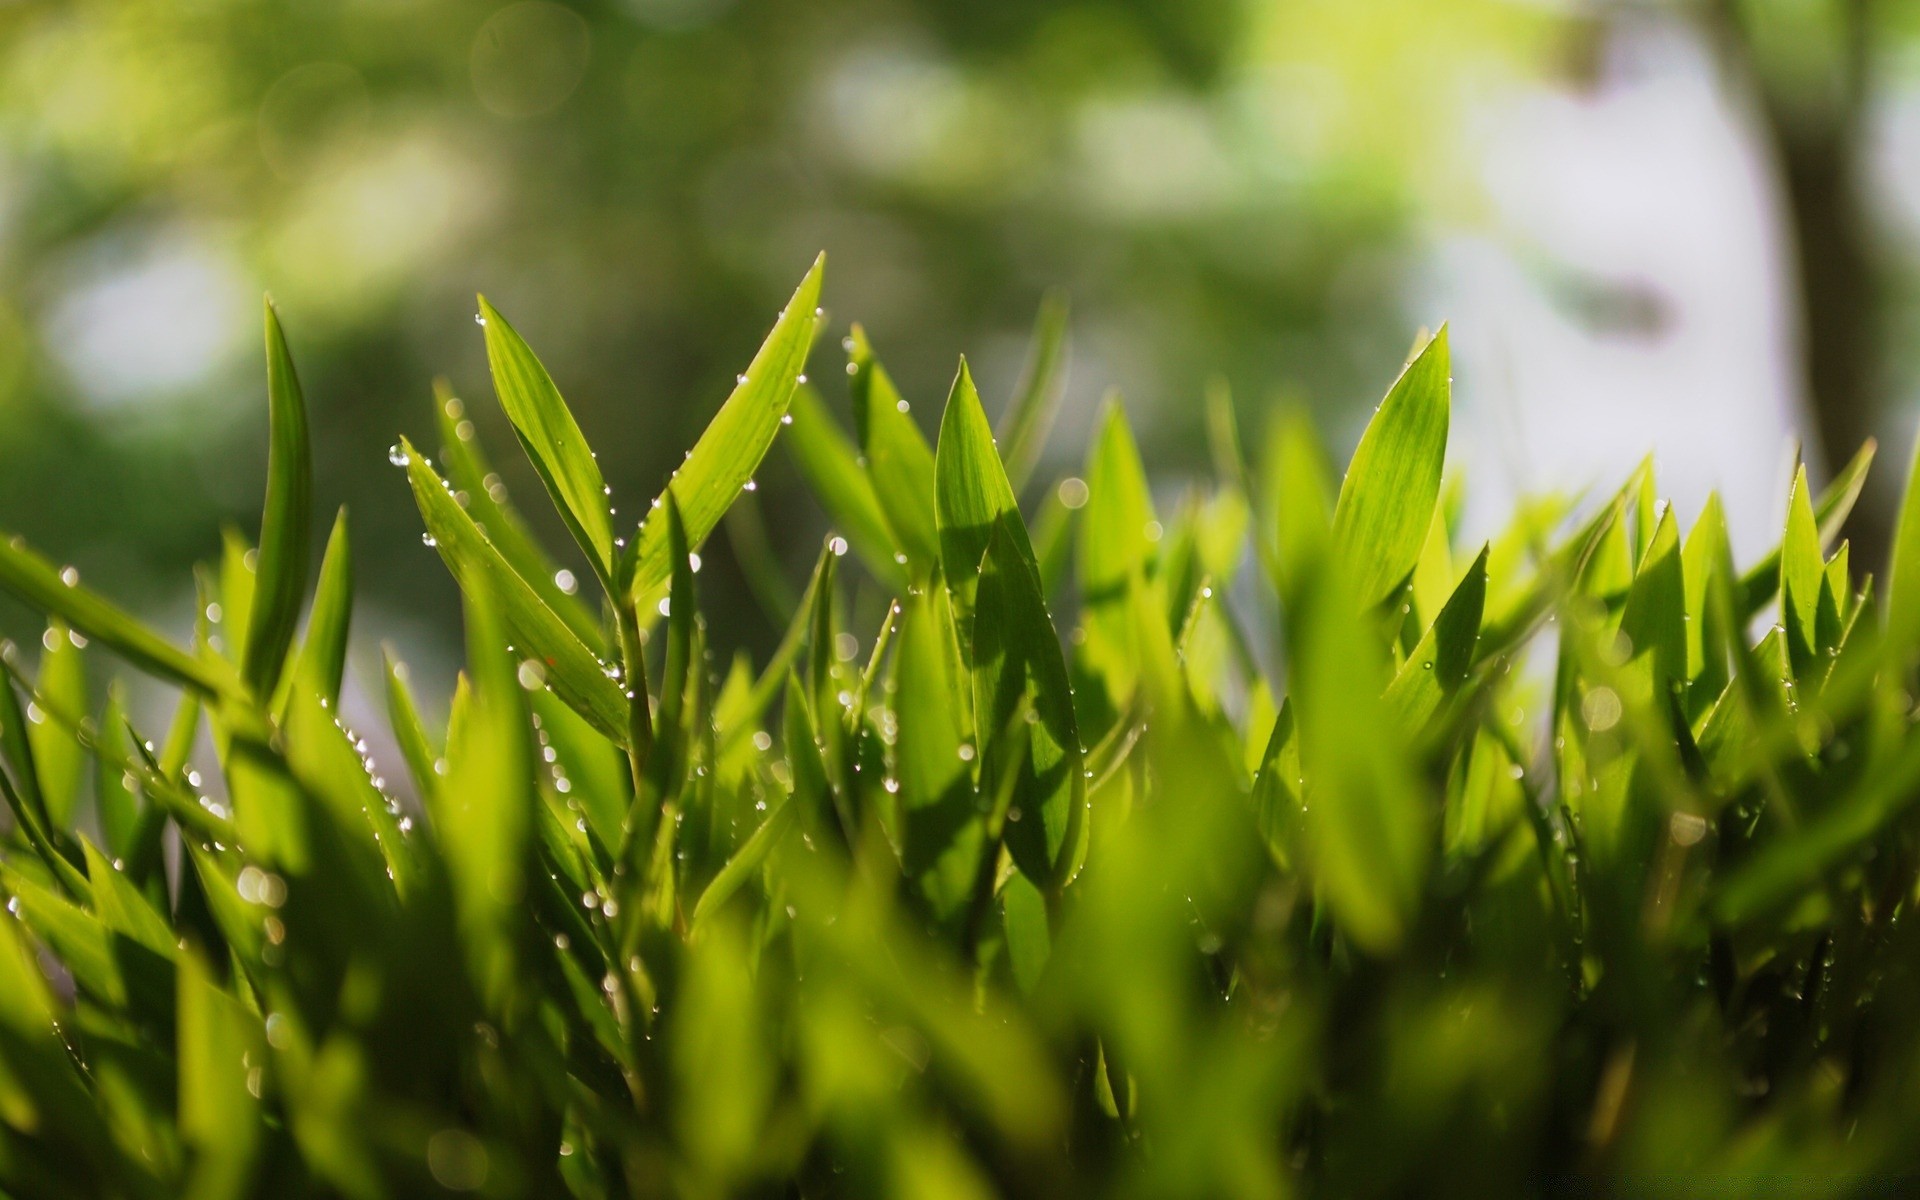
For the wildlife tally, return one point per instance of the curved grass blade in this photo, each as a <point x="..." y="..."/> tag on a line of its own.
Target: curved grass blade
<point x="1761" y="582"/>
<point x="551" y="438"/>
<point x="1017" y="661"/>
<point x="1440" y="663"/>
<point x="58" y="756"/>
<point x="723" y="461"/>
<point x="971" y="493"/>
<point x="1393" y="482"/>
<point x="322" y="664"/>
<point x="280" y="583"/>
<point x="899" y="461"/>
<point x="485" y="498"/>
<point x="573" y="671"/>
<point x="57" y="592"/>
<point x="941" y="833"/>
<point x="1903" y="578"/>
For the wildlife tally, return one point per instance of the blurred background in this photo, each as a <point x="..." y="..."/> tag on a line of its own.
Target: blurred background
<point x="1691" y="227"/>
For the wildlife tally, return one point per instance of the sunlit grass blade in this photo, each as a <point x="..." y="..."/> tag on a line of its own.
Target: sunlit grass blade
<point x="322" y="663"/>
<point x="58" y="756"/>
<point x="1802" y="571"/>
<point x="58" y="592"/>
<point x="1441" y="660"/>
<point x="899" y="461"/>
<point x="723" y="461"/>
<point x="1387" y="498"/>
<point x="1017" y="661"/>
<point x="1761" y="582"/>
<point x="572" y="670"/>
<point x="551" y="438"/>
<point x="484" y="495"/>
<point x="971" y="492"/>
<point x="281" y="578"/>
<point x="1903" y="577"/>
<point x="941" y="834"/>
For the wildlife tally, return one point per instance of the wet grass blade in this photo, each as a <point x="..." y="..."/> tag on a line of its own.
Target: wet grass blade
<point x="281" y="578"/>
<point x="552" y="440"/>
<point x="722" y="463"/>
<point x="58" y="592"/>
<point x="572" y="670"/>
<point x="1386" y="501"/>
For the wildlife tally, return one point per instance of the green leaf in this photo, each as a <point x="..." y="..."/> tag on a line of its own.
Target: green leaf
<point x="832" y="468"/>
<point x="1443" y="657"/>
<point x="1802" y="571"/>
<point x="58" y="592"/>
<point x="1118" y="541"/>
<point x="572" y="670"/>
<point x="481" y="492"/>
<point x="1017" y="661"/>
<point x="1903" y="579"/>
<point x="57" y="754"/>
<point x="742" y="866"/>
<point x="483" y="816"/>
<point x="1706" y="548"/>
<point x="221" y="1051"/>
<point x="1655" y="617"/>
<point x="322" y="664"/>
<point x="942" y="836"/>
<point x="723" y="461"/>
<point x="971" y="493"/>
<point x="899" y="461"/>
<point x="1036" y="400"/>
<point x="403" y="717"/>
<point x="1365" y="822"/>
<point x="552" y="440"/>
<point x="1387" y="499"/>
<point x="1761" y="583"/>
<point x="281" y="580"/>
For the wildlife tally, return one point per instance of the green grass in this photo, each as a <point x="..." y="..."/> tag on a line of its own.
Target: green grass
<point x="1318" y="853"/>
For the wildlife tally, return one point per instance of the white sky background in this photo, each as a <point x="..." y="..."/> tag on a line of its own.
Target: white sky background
<point x="1655" y="184"/>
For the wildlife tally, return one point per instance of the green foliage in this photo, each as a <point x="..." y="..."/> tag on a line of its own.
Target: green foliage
<point x="1507" y="865"/>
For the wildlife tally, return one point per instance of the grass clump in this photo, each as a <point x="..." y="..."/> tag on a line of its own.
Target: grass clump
<point x="1322" y="854"/>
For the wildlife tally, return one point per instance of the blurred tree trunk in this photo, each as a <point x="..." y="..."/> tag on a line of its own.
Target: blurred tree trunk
<point x="1817" y="137"/>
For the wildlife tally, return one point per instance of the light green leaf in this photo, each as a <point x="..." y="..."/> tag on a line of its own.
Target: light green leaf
<point x="1761" y="582"/>
<point x="971" y="493"/>
<point x="572" y="670"/>
<point x="323" y="655"/>
<point x="1903" y="579"/>
<point x="481" y="492"/>
<point x="899" y="461"/>
<point x="1386" y="501"/>
<point x="729" y="452"/>
<point x="281" y="580"/>
<point x="1017" y="661"/>
<point x="1655" y="617"/>
<point x="58" y="592"/>
<point x="1802" y="570"/>
<point x="1443" y="657"/>
<point x="57" y="754"/>
<point x="942" y="835"/>
<point x="551" y="438"/>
